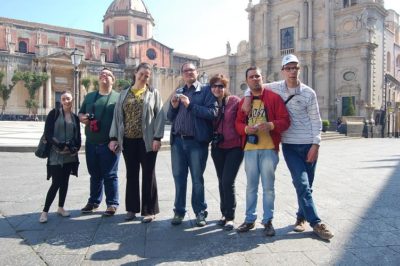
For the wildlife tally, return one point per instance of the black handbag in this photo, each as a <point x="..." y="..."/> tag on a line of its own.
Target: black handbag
<point x="43" y="148"/>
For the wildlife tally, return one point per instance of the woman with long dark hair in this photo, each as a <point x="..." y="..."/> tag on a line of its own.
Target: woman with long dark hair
<point x="137" y="129"/>
<point x="62" y="130"/>
<point x="226" y="150"/>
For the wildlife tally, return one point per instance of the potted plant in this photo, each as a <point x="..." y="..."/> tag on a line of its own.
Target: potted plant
<point x="325" y="125"/>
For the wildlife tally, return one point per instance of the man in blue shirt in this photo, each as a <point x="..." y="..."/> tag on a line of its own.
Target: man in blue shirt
<point x="192" y="109"/>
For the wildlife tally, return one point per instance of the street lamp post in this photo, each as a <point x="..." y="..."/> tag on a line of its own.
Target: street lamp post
<point x="76" y="58"/>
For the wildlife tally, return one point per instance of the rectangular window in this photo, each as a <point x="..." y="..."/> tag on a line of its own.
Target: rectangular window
<point x="348" y="107"/>
<point x="287" y="40"/>
<point x="139" y="30"/>
<point x="347" y="3"/>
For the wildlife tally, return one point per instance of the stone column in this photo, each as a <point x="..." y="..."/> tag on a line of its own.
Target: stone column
<point x="49" y="104"/>
<point x="251" y="11"/>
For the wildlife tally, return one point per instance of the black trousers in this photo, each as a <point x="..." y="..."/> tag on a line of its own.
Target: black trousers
<point x="59" y="182"/>
<point x="135" y="155"/>
<point x="227" y="163"/>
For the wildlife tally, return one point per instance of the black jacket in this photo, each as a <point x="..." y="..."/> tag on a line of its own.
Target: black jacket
<point x="49" y="133"/>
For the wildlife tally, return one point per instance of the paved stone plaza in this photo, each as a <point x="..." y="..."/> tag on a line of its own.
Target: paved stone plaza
<point x="357" y="191"/>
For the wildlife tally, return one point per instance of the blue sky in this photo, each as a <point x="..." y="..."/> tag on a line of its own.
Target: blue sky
<point x="199" y="27"/>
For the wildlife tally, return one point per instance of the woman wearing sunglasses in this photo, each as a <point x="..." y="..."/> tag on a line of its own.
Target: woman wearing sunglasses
<point x="226" y="150"/>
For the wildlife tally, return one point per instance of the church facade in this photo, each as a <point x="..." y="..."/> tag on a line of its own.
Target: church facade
<point x="349" y="50"/>
<point x="126" y="41"/>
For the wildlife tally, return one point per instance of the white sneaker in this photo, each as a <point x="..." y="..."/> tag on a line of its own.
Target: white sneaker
<point x="43" y="217"/>
<point x="63" y="212"/>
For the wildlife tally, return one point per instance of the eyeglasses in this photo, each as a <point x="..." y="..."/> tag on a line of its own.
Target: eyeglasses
<point x="105" y="74"/>
<point x="219" y="86"/>
<point x="290" y="69"/>
<point x="189" y="70"/>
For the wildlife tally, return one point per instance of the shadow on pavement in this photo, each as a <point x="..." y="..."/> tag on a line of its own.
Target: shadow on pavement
<point x="375" y="238"/>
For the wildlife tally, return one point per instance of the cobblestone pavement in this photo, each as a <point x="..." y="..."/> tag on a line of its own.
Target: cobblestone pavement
<point x="356" y="190"/>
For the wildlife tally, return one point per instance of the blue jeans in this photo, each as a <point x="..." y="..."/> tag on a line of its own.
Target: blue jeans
<point x="302" y="177"/>
<point x="102" y="165"/>
<point x="260" y="163"/>
<point x="189" y="154"/>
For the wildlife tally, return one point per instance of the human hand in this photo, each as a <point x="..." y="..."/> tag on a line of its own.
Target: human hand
<point x="312" y="154"/>
<point x="84" y="118"/>
<point x="156" y="145"/>
<point x="265" y="126"/>
<point x="184" y="99"/>
<point x="251" y="130"/>
<point x="174" y="101"/>
<point x="113" y="146"/>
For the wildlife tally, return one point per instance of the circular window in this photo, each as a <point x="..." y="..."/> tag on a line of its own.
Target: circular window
<point x="349" y="76"/>
<point x="151" y="53"/>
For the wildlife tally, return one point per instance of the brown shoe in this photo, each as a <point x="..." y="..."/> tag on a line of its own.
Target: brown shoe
<point x="300" y="225"/>
<point x="110" y="211"/>
<point x="321" y="231"/>
<point x="245" y="227"/>
<point x="269" y="229"/>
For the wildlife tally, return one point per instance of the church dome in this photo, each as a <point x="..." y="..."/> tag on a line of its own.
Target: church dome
<point x="135" y="8"/>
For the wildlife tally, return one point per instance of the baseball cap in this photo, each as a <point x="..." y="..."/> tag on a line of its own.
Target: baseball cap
<point x="290" y="58"/>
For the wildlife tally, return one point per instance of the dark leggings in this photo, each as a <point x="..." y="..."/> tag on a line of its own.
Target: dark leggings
<point x="60" y="178"/>
<point x="227" y="163"/>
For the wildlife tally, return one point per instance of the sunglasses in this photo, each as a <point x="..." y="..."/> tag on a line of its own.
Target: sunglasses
<point x="219" y="86"/>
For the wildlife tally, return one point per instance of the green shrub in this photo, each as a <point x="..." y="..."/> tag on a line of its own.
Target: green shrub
<point x="326" y="123"/>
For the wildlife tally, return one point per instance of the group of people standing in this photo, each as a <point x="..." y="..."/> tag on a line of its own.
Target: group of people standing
<point x="132" y="122"/>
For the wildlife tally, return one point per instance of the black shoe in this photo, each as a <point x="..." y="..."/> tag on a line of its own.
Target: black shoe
<point x="90" y="207"/>
<point x="229" y="225"/>
<point x="269" y="229"/>
<point x="245" y="227"/>
<point x="222" y="221"/>
<point x="130" y="216"/>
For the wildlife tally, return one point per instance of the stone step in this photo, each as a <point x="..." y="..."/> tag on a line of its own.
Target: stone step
<point x="333" y="135"/>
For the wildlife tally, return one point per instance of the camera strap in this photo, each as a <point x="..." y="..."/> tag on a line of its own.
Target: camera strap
<point x="104" y="107"/>
<point x="221" y="115"/>
<point x="289" y="98"/>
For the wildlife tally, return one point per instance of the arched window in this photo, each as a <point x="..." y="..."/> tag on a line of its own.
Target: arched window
<point x="22" y="47"/>
<point x="388" y="62"/>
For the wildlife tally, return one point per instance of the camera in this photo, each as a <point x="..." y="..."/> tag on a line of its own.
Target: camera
<point x="217" y="139"/>
<point x="90" y="117"/>
<point x="94" y="125"/>
<point x="178" y="95"/>
<point x="253" y="139"/>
